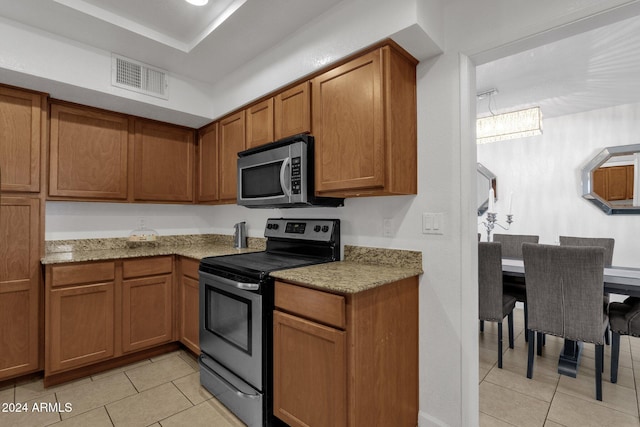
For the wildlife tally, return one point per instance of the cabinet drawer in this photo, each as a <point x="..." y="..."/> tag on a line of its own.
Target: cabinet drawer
<point x="91" y="272"/>
<point x="189" y="267"/>
<point x="147" y="266"/>
<point x="316" y="305"/>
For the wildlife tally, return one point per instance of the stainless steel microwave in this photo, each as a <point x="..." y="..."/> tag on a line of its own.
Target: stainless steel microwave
<point x="280" y="175"/>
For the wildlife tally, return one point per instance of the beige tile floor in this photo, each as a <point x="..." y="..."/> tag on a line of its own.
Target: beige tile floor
<point x="165" y="391"/>
<point x="508" y="398"/>
<point x="162" y="391"/>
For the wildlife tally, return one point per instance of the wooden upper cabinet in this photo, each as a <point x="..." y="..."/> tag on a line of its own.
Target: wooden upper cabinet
<point x="617" y="182"/>
<point x="19" y="285"/>
<point x="259" y="119"/>
<point x="88" y="153"/>
<point x="208" y="163"/>
<point x="614" y="183"/>
<point x="630" y="181"/>
<point x="164" y="159"/>
<point x="364" y="123"/>
<point x="22" y="115"/>
<point x="292" y="111"/>
<point x="231" y="140"/>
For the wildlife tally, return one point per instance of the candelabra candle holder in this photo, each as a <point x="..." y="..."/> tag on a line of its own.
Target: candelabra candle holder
<point x="492" y="221"/>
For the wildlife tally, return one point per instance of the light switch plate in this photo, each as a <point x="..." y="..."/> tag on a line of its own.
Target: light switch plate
<point x="432" y="223"/>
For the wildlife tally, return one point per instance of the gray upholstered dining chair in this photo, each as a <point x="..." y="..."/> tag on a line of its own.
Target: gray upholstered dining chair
<point x="606" y="243"/>
<point x="512" y="243"/>
<point x="493" y="305"/>
<point x="624" y="318"/>
<point x="515" y="286"/>
<point x="564" y="294"/>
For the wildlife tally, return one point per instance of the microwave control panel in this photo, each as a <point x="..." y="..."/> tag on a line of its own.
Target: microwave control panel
<point x="296" y="176"/>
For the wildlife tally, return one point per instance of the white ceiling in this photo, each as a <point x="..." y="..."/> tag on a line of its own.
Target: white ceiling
<point x="596" y="69"/>
<point x="172" y="34"/>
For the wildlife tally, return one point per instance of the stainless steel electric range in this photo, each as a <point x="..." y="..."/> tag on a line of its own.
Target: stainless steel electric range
<point x="236" y="309"/>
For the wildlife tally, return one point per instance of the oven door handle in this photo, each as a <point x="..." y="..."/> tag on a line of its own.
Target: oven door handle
<point x="239" y="285"/>
<point x="283" y="179"/>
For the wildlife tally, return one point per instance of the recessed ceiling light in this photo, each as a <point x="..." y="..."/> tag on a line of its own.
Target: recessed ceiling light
<point x="197" y="2"/>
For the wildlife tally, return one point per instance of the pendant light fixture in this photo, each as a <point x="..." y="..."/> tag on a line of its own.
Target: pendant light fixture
<point x="197" y="2"/>
<point x="510" y="125"/>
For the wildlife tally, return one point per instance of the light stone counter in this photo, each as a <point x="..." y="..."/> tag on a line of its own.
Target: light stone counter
<point x="192" y="246"/>
<point x="362" y="269"/>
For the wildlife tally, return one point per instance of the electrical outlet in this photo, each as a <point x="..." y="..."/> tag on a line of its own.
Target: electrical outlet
<point x="387" y="227"/>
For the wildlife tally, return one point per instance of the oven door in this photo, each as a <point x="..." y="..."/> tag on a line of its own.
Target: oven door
<point x="231" y="326"/>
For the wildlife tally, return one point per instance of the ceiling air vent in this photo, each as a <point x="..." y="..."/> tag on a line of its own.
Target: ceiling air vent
<point x="142" y="78"/>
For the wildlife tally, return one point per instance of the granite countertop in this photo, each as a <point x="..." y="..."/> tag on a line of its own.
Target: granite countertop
<point x="192" y="246"/>
<point x="363" y="268"/>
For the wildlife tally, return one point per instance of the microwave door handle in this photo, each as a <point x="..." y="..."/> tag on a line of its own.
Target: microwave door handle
<point x="284" y="181"/>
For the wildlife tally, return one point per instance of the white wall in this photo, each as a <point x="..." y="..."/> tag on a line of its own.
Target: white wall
<point x="544" y="174"/>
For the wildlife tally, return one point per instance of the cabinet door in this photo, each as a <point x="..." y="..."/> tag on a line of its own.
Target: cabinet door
<point x="88" y="153"/>
<point x="600" y="183"/>
<point x="630" y="181"/>
<point x="232" y="140"/>
<point x="189" y="306"/>
<point x="260" y="123"/>
<point x="617" y="183"/>
<point x="208" y="163"/>
<point x="348" y="123"/>
<point x="164" y="162"/>
<point x="80" y="328"/>
<point x="20" y="139"/>
<point x="19" y="284"/>
<point x="293" y="111"/>
<point x="189" y="316"/>
<point x="146" y="312"/>
<point x="309" y="372"/>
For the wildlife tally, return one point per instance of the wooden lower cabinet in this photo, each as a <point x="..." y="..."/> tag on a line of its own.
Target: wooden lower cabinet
<point x="79" y="315"/>
<point x="188" y="301"/>
<point x="146" y="312"/>
<point x="346" y="360"/>
<point x="19" y="285"/>
<point x="309" y="372"/>
<point x="97" y="311"/>
<point x="81" y="325"/>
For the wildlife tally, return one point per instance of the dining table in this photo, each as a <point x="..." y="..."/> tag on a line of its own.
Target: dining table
<point x="617" y="280"/>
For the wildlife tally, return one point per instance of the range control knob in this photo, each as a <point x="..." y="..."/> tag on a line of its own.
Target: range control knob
<point x="316" y="228"/>
<point x="275" y="226"/>
<point x="325" y="228"/>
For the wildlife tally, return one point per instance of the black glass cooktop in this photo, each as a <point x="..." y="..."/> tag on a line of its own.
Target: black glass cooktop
<point x="255" y="265"/>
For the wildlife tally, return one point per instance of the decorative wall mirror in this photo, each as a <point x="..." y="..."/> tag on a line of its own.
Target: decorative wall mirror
<point x="611" y="180"/>
<point x="485" y="181"/>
